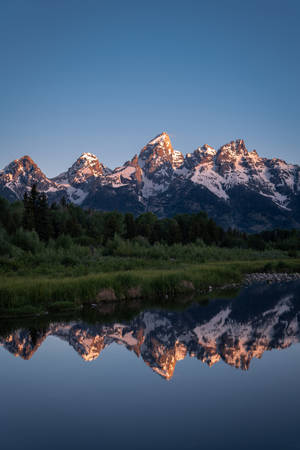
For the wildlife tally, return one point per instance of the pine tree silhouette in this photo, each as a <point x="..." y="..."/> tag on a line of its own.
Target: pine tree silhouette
<point x="42" y="221"/>
<point x="36" y="213"/>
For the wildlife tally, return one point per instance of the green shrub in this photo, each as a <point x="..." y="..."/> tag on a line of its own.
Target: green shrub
<point x="27" y="240"/>
<point x="64" y="241"/>
<point x="268" y="267"/>
<point x="5" y="246"/>
<point x="84" y="241"/>
<point x="141" y="241"/>
<point x="281" y="265"/>
<point x="68" y="260"/>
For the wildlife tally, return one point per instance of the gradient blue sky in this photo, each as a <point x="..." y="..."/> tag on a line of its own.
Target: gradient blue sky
<point x="105" y="77"/>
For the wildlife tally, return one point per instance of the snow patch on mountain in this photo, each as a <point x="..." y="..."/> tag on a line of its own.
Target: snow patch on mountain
<point x="150" y="188"/>
<point x="211" y="180"/>
<point x="120" y="176"/>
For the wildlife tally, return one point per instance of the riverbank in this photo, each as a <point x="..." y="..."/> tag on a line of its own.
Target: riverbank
<point x="29" y="295"/>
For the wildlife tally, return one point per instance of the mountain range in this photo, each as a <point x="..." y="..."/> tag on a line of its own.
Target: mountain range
<point x="236" y="187"/>
<point x="233" y="331"/>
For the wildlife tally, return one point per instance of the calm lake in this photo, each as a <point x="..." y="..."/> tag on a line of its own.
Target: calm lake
<point x="225" y="375"/>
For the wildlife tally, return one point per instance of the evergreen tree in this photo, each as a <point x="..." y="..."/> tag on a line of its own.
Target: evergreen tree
<point x="42" y="220"/>
<point x="145" y="224"/>
<point x="29" y="210"/>
<point x="130" y="227"/>
<point x="113" y="224"/>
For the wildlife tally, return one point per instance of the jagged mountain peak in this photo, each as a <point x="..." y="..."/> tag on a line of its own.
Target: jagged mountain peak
<point x="161" y="144"/>
<point x="81" y="178"/>
<point x="230" y="157"/>
<point x="229" y="151"/>
<point x="24" y="162"/>
<point x="161" y="139"/>
<point x="19" y="176"/>
<point x="23" y="170"/>
<point x="86" y="168"/>
<point x="234" y="148"/>
<point x="206" y="151"/>
<point x="87" y="160"/>
<point x="87" y="157"/>
<point x="159" y="152"/>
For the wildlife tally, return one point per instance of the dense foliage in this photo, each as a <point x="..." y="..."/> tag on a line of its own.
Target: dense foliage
<point x="33" y="223"/>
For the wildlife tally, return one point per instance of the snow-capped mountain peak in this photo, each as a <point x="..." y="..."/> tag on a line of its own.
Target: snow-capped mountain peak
<point x="86" y="168"/>
<point x="19" y="176"/>
<point x="89" y="157"/>
<point x="161" y="139"/>
<point x="234" y="147"/>
<point x="159" y="152"/>
<point x="207" y="150"/>
<point x="203" y="154"/>
<point x="21" y="166"/>
<point x="81" y="177"/>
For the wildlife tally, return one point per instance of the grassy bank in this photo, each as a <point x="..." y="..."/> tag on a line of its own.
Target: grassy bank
<point x="34" y="293"/>
<point x="122" y="256"/>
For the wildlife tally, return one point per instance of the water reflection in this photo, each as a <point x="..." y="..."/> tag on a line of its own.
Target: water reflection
<point x="261" y="318"/>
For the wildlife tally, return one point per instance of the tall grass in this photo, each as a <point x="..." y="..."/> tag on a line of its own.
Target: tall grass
<point x="41" y="293"/>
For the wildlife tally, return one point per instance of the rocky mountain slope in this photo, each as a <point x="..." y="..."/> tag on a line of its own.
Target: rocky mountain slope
<point x="236" y="187"/>
<point x="234" y="332"/>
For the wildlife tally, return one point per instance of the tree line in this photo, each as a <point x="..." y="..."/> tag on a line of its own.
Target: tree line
<point x="88" y="227"/>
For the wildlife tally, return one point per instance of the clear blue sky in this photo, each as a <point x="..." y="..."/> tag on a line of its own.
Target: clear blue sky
<point x="106" y="76"/>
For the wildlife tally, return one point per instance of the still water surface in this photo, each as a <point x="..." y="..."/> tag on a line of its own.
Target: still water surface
<point x="221" y="376"/>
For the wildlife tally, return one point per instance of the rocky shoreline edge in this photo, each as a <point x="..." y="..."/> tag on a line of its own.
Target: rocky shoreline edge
<point x="256" y="278"/>
<point x="108" y="295"/>
<point x="108" y="305"/>
<point x="265" y="277"/>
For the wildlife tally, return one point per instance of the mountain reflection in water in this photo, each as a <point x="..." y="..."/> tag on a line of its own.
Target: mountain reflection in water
<point x="261" y="318"/>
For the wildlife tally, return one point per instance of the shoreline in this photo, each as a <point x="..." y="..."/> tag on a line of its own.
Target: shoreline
<point x="42" y="297"/>
<point x="265" y="277"/>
